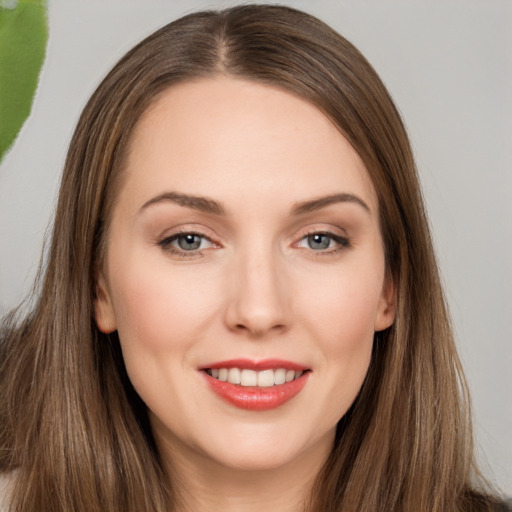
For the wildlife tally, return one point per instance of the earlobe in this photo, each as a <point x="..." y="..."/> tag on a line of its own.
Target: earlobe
<point x="386" y="310"/>
<point x="103" y="310"/>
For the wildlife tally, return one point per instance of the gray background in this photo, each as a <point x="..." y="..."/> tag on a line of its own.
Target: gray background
<point x="449" y="67"/>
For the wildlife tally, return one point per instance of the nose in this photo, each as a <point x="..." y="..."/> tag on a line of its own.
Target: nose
<point x="259" y="302"/>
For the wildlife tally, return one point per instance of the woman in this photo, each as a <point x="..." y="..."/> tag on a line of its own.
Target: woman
<point x="241" y="306"/>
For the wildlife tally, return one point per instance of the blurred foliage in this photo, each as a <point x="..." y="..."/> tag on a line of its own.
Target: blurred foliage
<point x="23" y="38"/>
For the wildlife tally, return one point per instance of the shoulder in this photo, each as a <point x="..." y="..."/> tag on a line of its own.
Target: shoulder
<point x="507" y="506"/>
<point x="500" y="506"/>
<point x="6" y="486"/>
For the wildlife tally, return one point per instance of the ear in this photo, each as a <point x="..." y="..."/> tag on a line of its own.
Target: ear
<point x="386" y="309"/>
<point x="103" y="310"/>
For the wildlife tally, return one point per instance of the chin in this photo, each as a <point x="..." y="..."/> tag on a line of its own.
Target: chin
<point x="253" y="460"/>
<point x="265" y="449"/>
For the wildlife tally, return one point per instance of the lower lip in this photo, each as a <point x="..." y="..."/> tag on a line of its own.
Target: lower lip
<point x="255" y="398"/>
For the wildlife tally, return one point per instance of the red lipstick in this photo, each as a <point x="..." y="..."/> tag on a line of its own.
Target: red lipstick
<point x="256" y="398"/>
<point x="263" y="364"/>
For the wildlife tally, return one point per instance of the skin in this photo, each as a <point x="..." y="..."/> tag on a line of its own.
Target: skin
<point x="258" y="287"/>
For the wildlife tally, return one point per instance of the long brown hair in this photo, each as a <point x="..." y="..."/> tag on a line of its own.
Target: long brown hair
<point x="72" y="426"/>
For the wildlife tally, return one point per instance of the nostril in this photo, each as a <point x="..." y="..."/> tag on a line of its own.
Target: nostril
<point x="259" y="329"/>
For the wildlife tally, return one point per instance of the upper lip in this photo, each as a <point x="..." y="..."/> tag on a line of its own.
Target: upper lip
<point x="260" y="365"/>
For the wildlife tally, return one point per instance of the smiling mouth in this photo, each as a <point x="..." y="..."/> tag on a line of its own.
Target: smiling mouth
<point x="256" y="386"/>
<point x="251" y="378"/>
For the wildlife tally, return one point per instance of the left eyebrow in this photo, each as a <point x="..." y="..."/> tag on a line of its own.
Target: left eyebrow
<point x="322" y="202"/>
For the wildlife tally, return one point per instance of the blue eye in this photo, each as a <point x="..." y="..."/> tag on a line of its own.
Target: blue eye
<point x="189" y="242"/>
<point x="182" y="243"/>
<point x="326" y="242"/>
<point x="319" y="241"/>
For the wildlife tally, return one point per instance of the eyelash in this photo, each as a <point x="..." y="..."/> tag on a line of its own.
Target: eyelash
<point x="167" y="246"/>
<point x="341" y="242"/>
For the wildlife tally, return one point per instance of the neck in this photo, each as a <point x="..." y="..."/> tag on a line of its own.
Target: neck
<point x="203" y="485"/>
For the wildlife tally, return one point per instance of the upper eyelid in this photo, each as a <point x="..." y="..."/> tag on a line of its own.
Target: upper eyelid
<point x="188" y="230"/>
<point x="327" y="229"/>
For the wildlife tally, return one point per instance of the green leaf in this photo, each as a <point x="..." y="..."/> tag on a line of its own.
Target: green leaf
<point x="23" y="38"/>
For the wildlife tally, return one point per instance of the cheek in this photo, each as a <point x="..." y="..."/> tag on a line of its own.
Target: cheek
<point x="158" y="310"/>
<point x="340" y="313"/>
<point x="343" y="307"/>
<point x="342" y="323"/>
<point x="160" y="317"/>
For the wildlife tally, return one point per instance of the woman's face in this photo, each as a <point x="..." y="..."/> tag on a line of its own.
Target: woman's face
<point x="244" y="245"/>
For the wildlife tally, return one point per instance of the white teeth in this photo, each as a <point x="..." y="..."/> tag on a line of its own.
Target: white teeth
<point x="249" y="378"/>
<point x="234" y="375"/>
<point x="262" y="379"/>
<point x="280" y="376"/>
<point x="266" y="378"/>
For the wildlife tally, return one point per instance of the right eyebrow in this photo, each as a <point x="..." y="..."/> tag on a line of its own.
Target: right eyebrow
<point x="201" y="203"/>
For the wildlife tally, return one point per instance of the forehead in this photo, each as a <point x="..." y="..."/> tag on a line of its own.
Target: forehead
<point x="228" y="137"/>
